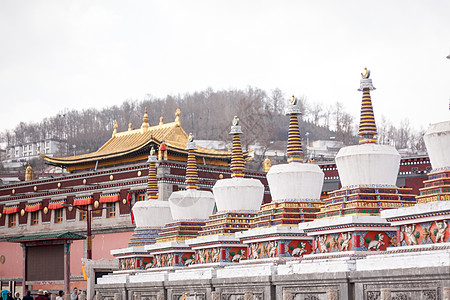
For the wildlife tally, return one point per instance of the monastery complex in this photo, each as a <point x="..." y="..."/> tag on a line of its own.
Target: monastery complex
<point x="152" y="215"/>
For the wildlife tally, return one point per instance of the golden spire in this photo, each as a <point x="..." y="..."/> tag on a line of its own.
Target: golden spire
<point x="294" y="146"/>
<point x="177" y="117"/>
<point x="130" y="127"/>
<point x="267" y="164"/>
<point x="115" y="126"/>
<point x="367" y="126"/>
<point x="237" y="159"/>
<point x="161" y="120"/>
<point x="145" y="126"/>
<point x="191" y="169"/>
<point x="29" y="173"/>
<point x="152" y="188"/>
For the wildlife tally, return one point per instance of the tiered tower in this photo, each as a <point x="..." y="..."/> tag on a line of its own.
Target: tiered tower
<point x="427" y="223"/>
<point x="150" y="217"/>
<point x="295" y="189"/>
<point x="190" y="209"/>
<point x="368" y="173"/>
<point x="237" y="200"/>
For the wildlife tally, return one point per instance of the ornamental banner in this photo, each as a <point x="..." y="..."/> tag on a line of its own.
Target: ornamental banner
<point x="32" y="207"/>
<point x="12" y="209"/>
<point x="85" y="200"/>
<point x="108" y="198"/>
<point x="56" y="204"/>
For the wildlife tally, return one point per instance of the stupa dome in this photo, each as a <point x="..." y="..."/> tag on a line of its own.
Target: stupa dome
<point x="437" y="141"/>
<point x="151" y="213"/>
<point x="238" y="194"/>
<point x="295" y="181"/>
<point x="191" y="204"/>
<point x="368" y="164"/>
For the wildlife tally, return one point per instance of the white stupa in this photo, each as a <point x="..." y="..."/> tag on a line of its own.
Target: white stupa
<point x="191" y="204"/>
<point x="238" y="194"/>
<point x="150" y="217"/>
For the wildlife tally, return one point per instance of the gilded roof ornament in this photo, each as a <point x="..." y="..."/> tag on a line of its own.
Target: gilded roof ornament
<point x="267" y="164"/>
<point x="177" y="117"/>
<point x="145" y="126"/>
<point x="191" y="137"/>
<point x="115" y="126"/>
<point x="161" y="120"/>
<point x="235" y="121"/>
<point x="130" y="127"/>
<point x="29" y="173"/>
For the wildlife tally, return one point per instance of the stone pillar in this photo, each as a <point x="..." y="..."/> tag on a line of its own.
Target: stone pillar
<point x="117" y="296"/>
<point x="160" y="296"/>
<point x="287" y="295"/>
<point x="81" y="297"/>
<point x="385" y="294"/>
<point x="248" y="296"/>
<point x="333" y="294"/>
<point x="24" y="269"/>
<point x="67" y="266"/>
<point x="136" y="296"/>
<point x="53" y="297"/>
<point x="446" y="293"/>
<point x="67" y="296"/>
<point x="215" y="296"/>
<point x="97" y="296"/>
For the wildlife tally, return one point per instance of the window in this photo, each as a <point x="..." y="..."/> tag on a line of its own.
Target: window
<point x="83" y="213"/>
<point x="35" y="218"/>
<point x="110" y="210"/>
<point x="140" y="197"/>
<point x="58" y="215"/>
<point x="12" y="220"/>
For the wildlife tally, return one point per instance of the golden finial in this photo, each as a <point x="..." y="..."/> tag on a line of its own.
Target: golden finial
<point x="115" y="126"/>
<point x="130" y="127"/>
<point x="161" y="120"/>
<point x="267" y="164"/>
<point x="177" y="117"/>
<point x="293" y="100"/>
<point x="145" y="126"/>
<point x="365" y="73"/>
<point x="235" y="121"/>
<point x="29" y="173"/>
<point x="191" y="137"/>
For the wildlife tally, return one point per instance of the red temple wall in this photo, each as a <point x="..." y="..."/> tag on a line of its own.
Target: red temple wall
<point x="13" y="260"/>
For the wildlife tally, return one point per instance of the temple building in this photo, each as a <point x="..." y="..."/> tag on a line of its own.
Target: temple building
<point x="108" y="182"/>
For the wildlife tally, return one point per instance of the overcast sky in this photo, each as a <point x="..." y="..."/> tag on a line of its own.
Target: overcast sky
<point x="81" y="54"/>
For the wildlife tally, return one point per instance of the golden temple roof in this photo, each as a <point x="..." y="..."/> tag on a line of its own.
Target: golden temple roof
<point x="127" y="142"/>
